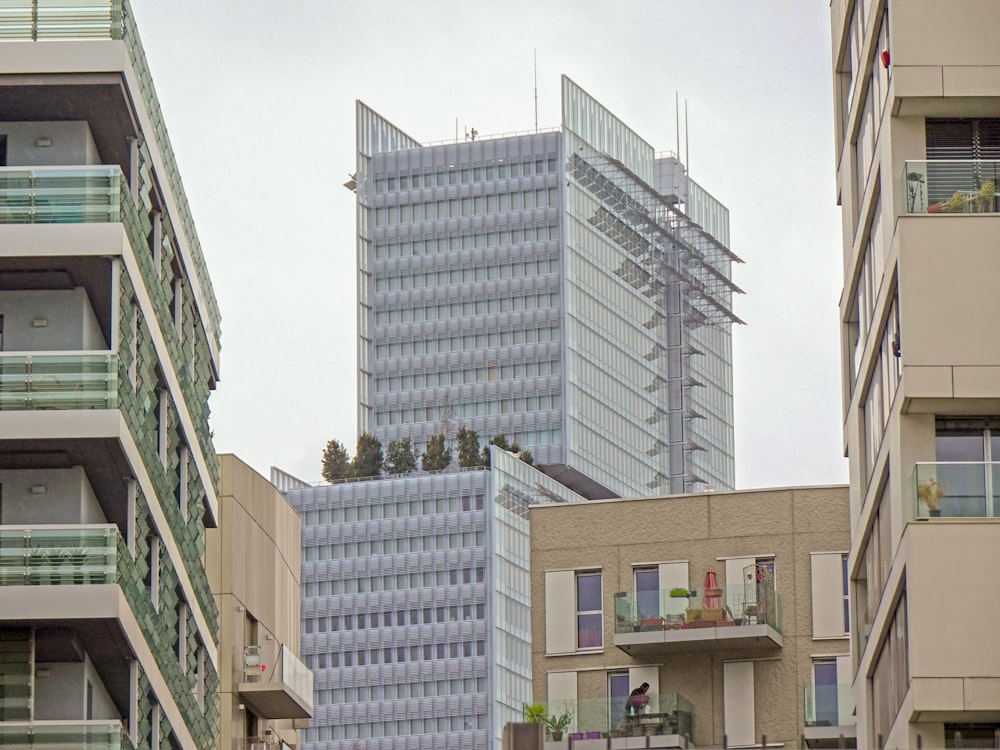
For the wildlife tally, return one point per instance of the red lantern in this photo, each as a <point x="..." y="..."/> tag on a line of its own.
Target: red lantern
<point x="885" y="59"/>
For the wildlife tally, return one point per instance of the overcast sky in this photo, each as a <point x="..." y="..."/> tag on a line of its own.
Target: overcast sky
<point x="259" y="98"/>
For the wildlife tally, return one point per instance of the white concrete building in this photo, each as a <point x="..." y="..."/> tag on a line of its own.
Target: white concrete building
<point x="917" y="95"/>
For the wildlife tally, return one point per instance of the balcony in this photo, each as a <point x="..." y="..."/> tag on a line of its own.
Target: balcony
<point x="601" y="724"/>
<point x="746" y="618"/>
<point x="284" y="691"/>
<point x="57" y="195"/>
<point x="957" y="490"/>
<point x="72" y="735"/>
<point x="58" y="555"/>
<point x="76" y="380"/>
<point x="828" y="716"/>
<point x="959" y="186"/>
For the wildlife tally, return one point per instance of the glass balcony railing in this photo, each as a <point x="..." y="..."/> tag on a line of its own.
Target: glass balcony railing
<point x="957" y="489"/>
<point x="732" y="606"/>
<point x="78" y="380"/>
<point x="955" y="186"/>
<point x="828" y="706"/>
<point x="60" y="195"/>
<point x="72" y="735"/>
<point x="664" y="713"/>
<point x="58" y="555"/>
<point x="296" y="674"/>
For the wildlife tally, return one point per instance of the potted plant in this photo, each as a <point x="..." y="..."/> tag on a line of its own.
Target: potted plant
<point x="535" y="713"/>
<point x="679" y="593"/>
<point x="930" y="492"/>
<point x="558" y="723"/>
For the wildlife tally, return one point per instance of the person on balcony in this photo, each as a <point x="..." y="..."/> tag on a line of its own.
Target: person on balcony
<point x="636" y="704"/>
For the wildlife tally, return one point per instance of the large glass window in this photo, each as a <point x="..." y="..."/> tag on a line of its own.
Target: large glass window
<point x="647" y="593"/>
<point x="589" y="616"/>
<point x="825" y="685"/>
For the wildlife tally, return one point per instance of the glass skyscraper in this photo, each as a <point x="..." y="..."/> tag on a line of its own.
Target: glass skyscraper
<point x="569" y="289"/>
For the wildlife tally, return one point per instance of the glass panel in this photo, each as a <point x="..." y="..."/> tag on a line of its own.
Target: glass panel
<point x="957" y="186"/>
<point x="618" y="691"/>
<point x="952" y="489"/>
<point x="756" y="603"/>
<point x="58" y="555"/>
<point x="595" y="718"/>
<point x="588" y="592"/>
<point x="825" y="678"/>
<point x="589" y="631"/>
<point x="960" y="447"/>
<point x="89" y="735"/>
<point x="70" y="381"/>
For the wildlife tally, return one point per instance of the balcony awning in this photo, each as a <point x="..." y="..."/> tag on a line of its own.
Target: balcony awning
<point x="275" y="700"/>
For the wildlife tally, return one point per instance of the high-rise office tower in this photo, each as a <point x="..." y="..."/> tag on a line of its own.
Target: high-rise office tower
<point x="917" y="112"/>
<point x="568" y="289"/>
<point x="109" y="341"/>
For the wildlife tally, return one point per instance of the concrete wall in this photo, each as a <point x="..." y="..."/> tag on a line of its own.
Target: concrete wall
<point x="49" y="320"/>
<point x="67" y="497"/>
<point x="71" y="143"/>
<point x="614" y="535"/>
<point x="62" y="694"/>
<point x="253" y="561"/>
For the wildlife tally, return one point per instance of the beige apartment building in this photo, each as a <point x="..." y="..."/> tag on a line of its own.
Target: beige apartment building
<point x="730" y="605"/>
<point x="266" y="693"/>
<point x="917" y="115"/>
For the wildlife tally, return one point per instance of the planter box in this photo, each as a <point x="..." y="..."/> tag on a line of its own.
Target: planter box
<point x="725" y="624"/>
<point x="702" y="624"/>
<point x="698" y="615"/>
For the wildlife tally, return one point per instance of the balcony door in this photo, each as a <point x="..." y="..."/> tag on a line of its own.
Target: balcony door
<point x="647" y="593"/>
<point x="825" y="685"/>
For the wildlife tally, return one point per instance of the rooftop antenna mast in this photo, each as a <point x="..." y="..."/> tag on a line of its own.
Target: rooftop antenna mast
<point x="677" y="115"/>
<point x="687" y="144"/>
<point x="536" y="89"/>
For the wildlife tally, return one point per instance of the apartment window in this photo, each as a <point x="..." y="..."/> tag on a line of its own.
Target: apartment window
<point x="161" y="406"/>
<point x="845" y="589"/>
<point x="154" y="726"/>
<point x="967" y="453"/>
<point x="199" y="690"/>
<point x="618" y="692"/>
<point x="156" y="241"/>
<point x="182" y="629"/>
<point x="133" y="366"/>
<point x="827" y="711"/>
<point x="891" y="677"/>
<point x="183" y="455"/>
<point x="178" y="306"/>
<point x="959" y="146"/>
<point x="589" y="614"/>
<point x="153" y="577"/>
<point x="971" y="735"/>
<point x="131" y="500"/>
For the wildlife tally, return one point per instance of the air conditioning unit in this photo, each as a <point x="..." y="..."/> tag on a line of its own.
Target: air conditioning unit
<point x="252" y="662"/>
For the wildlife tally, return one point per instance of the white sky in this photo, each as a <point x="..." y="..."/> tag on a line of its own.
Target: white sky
<point x="259" y="99"/>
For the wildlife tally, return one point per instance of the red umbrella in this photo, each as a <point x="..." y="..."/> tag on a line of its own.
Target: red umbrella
<point x="711" y="600"/>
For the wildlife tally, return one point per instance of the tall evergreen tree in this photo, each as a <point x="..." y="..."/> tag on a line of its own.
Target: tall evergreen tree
<point x="336" y="461"/>
<point x="399" y="457"/>
<point x="468" y="448"/>
<point x="368" y="456"/>
<point x="437" y="456"/>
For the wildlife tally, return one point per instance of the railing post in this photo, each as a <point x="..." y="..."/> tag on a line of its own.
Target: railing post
<point x="725" y="742"/>
<point x="34" y="20"/>
<point x="841" y="742"/>
<point x="880" y="745"/>
<point x="763" y="741"/>
<point x="920" y="741"/>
